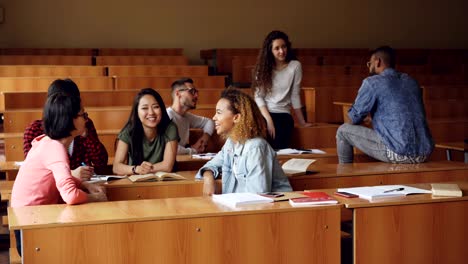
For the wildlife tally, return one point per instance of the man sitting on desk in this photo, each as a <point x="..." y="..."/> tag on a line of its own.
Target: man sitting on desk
<point x="185" y="97"/>
<point x="394" y="102"/>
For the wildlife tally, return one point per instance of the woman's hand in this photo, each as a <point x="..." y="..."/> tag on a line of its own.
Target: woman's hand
<point x="271" y="129"/>
<point x="144" y="168"/>
<point x="97" y="193"/>
<point x="208" y="183"/>
<point x="83" y="172"/>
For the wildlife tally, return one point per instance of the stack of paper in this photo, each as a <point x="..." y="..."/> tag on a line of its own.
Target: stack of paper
<point x="237" y="199"/>
<point x="446" y="189"/>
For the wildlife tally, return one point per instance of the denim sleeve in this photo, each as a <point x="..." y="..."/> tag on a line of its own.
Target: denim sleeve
<point x="215" y="165"/>
<point x="363" y="104"/>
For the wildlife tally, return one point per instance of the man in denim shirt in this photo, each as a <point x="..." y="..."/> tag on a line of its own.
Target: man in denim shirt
<point x="394" y="102"/>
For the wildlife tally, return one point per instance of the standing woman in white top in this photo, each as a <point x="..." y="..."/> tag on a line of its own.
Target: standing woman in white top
<point x="277" y="86"/>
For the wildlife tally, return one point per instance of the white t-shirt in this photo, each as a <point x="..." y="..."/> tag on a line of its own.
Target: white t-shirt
<point x="184" y="123"/>
<point x="285" y="90"/>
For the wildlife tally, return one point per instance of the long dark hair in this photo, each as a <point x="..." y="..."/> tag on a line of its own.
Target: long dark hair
<point x="135" y="127"/>
<point x="263" y="71"/>
<point x="59" y="111"/>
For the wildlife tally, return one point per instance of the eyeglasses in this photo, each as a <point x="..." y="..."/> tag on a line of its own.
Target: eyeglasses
<point x="192" y="91"/>
<point x="84" y="115"/>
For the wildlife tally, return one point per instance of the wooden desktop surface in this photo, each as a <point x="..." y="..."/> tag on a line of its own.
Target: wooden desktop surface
<point x="417" y="228"/>
<point x="178" y="230"/>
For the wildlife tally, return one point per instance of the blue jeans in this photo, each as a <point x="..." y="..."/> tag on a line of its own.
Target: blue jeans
<point x="367" y="140"/>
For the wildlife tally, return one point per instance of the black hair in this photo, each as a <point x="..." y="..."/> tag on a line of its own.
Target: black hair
<point x="135" y="127"/>
<point x="180" y="82"/>
<point x="386" y="54"/>
<point x="66" y="86"/>
<point x="59" y="111"/>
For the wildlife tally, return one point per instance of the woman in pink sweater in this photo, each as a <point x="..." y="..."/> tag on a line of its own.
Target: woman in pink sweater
<point x="45" y="177"/>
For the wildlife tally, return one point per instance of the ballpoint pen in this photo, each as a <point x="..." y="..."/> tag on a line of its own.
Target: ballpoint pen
<point x="394" y="190"/>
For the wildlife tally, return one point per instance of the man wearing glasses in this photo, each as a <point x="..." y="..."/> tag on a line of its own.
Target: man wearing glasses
<point x="393" y="100"/>
<point x="86" y="152"/>
<point x="184" y="98"/>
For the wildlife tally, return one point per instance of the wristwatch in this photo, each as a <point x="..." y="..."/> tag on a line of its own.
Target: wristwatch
<point x="134" y="169"/>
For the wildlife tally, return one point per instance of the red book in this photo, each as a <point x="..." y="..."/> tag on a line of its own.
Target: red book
<point x="313" y="198"/>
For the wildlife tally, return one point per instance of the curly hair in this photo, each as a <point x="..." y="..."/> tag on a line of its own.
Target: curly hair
<point x="251" y="123"/>
<point x="263" y="71"/>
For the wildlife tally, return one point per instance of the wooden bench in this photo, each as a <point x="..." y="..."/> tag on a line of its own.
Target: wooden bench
<point x="378" y="173"/>
<point x="104" y="98"/>
<point x="12" y="84"/>
<point x="45" y="60"/>
<point x="242" y="67"/>
<point x="140" y="52"/>
<point x="455" y="146"/>
<point x="128" y="83"/>
<point x="13" y="142"/>
<point x="442" y="108"/>
<point x="141" y="60"/>
<point x="446" y="92"/>
<point x="47" y="51"/>
<point x="63" y="71"/>
<point x="158" y="70"/>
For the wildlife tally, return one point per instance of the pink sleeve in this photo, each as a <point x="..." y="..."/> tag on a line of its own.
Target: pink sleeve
<point x="67" y="185"/>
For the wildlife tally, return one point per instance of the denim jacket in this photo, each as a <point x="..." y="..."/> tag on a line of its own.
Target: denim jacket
<point x="395" y="103"/>
<point x="257" y="168"/>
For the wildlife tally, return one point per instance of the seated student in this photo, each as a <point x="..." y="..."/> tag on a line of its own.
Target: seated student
<point x="184" y="98"/>
<point x="148" y="142"/>
<point x="85" y="148"/>
<point x="45" y="176"/>
<point x="394" y="102"/>
<point x="247" y="162"/>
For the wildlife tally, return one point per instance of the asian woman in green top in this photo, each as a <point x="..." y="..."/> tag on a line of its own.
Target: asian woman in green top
<point x="148" y="142"/>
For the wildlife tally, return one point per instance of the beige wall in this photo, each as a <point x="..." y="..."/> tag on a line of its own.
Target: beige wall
<point x="195" y="25"/>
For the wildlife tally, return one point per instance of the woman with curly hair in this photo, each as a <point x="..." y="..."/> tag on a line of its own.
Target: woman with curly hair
<point x="277" y="86"/>
<point x="247" y="162"/>
<point x="148" y="142"/>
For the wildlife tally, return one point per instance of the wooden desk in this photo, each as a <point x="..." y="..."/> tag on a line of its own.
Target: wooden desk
<point x="411" y="229"/>
<point x="376" y="173"/>
<point x="178" y="230"/>
<point x="124" y="189"/>
<point x="457" y="146"/>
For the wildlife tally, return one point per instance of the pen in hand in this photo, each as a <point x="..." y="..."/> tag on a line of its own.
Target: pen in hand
<point x="394" y="190"/>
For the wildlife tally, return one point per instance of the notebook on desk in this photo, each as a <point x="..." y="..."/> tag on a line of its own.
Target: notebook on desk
<point x="373" y="193"/>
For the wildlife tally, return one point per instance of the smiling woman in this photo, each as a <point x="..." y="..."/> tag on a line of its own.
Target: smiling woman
<point x="276" y="85"/>
<point x="247" y="161"/>
<point x="148" y="142"/>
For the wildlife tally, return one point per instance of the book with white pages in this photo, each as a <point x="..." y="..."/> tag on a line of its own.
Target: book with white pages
<point x="291" y="151"/>
<point x="296" y="167"/>
<point x="205" y="156"/>
<point x="373" y="193"/>
<point x="238" y="199"/>
<point x="105" y="178"/>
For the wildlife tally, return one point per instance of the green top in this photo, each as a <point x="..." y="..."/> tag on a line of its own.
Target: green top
<point x="152" y="151"/>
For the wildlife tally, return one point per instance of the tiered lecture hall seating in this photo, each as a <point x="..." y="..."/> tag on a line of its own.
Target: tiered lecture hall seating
<point x="324" y="70"/>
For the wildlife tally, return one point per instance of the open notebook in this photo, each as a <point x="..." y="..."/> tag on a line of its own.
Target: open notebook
<point x="373" y="193"/>
<point x="158" y="176"/>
